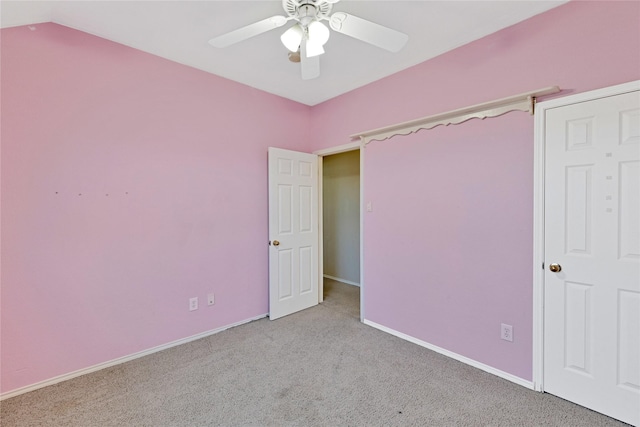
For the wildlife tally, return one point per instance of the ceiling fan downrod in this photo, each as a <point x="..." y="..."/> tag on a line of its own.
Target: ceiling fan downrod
<point x="306" y="13"/>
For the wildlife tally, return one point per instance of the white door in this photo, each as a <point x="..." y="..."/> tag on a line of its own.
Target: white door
<point x="293" y="231"/>
<point x="592" y="236"/>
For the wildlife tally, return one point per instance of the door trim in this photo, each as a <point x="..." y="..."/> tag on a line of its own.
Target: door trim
<point x="321" y="154"/>
<point x="538" y="212"/>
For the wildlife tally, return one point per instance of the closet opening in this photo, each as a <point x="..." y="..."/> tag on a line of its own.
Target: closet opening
<point x="340" y="211"/>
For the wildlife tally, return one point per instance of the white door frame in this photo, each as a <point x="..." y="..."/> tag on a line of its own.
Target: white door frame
<point x="328" y="152"/>
<point x="538" y="214"/>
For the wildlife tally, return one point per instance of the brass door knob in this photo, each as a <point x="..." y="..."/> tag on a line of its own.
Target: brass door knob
<point x="276" y="243"/>
<point x="556" y="268"/>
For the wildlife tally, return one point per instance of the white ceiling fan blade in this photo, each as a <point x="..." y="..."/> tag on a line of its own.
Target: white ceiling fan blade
<point x="248" y="31"/>
<point x="368" y="32"/>
<point x="310" y="65"/>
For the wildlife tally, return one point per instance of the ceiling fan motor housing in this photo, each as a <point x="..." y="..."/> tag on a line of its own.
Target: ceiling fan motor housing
<point x="307" y="11"/>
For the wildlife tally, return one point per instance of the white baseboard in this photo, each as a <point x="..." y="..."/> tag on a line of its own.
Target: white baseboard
<point x="337" y="279"/>
<point x="123" y="359"/>
<point x="463" y="359"/>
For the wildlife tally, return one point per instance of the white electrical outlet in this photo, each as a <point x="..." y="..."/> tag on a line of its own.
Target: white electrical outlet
<point x="211" y="299"/>
<point x="193" y="303"/>
<point x="506" y="332"/>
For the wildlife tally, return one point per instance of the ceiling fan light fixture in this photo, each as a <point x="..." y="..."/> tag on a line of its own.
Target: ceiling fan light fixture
<point x="318" y="33"/>
<point x="314" y="49"/>
<point x="292" y="38"/>
<point x="305" y="40"/>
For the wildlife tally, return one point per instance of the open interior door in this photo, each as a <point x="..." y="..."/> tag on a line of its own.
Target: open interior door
<point x="293" y="231"/>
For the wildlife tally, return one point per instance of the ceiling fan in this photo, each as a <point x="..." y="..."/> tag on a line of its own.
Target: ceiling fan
<point x="305" y="39"/>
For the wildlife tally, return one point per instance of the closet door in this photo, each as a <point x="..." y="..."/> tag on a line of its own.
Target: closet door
<point x="592" y="254"/>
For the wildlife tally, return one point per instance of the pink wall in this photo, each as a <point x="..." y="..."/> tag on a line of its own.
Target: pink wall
<point x="182" y="156"/>
<point x="448" y="246"/>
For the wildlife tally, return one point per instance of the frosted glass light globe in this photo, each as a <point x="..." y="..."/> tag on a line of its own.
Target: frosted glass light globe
<point x="292" y="38"/>
<point x="318" y="33"/>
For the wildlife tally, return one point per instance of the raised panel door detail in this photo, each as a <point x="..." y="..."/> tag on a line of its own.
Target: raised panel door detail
<point x="305" y="168"/>
<point x="630" y="127"/>
<point x="578" y="190"/>
<point x="306" y="269"/>
<point x="577" y="327"/>
<point x="629" y="340"/>
<point x="629" y="222"/>
<point x="579" y="134"/>
<point x="285" y="167"/>
<point x="285" y="201"/>
<point x="306" y="209"/>
<point x="285" y="282"/>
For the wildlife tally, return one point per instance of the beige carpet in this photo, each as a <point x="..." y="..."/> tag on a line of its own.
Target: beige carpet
<point x="319" y="367"/>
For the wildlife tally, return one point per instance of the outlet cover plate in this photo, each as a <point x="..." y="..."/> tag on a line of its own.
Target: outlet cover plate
<point x="506" y="332"/>
<point x="211" y="299"/>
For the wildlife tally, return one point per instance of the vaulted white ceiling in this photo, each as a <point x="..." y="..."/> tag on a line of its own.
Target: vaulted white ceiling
<point x="180" y="30"/>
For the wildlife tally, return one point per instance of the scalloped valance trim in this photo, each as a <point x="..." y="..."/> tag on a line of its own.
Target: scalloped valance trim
<point x="523" y="102"/>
